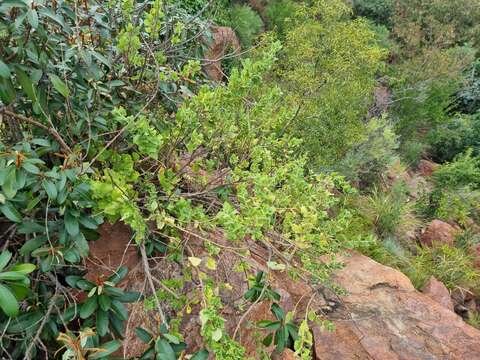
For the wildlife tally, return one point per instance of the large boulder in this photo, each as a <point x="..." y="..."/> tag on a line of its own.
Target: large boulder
<point x="439" y="232"/>
<point x="383" y="317"/>
<point x="224" y="41"/>
<point x="437" y="291"/>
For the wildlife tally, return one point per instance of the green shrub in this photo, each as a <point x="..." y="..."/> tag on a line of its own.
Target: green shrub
<point x="452" y="266"/>
<point x="246" y="22"/>
<point x="412" y="151"/>
<point x="390" y="212"/>
<point x="458" y="205"/>
<point x="327" y="71"/>
<point x="278" y="13"/>
<point x="467" y="99"/>
<point x="380" y="11"/>
<point x="371" y="156"/>
<point x="454" y="137"/>
<point x="463" y="171"/>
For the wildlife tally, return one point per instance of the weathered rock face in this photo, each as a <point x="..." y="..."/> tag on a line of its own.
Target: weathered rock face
<point x="439" y="232"/>
<point x="426" y="167"/>
<point x="435" y="290"/>
<point x="224" y="41"/>
<point x="383" y="318"/>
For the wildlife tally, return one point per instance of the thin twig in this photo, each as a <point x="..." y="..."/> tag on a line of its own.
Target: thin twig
<point x="52" y="131"/>
<point x="245" y="314"/>
<point x="150" y="282"/>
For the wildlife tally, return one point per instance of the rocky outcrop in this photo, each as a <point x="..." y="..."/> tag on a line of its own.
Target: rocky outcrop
<point x="437" y="291"/>
<point x="224" y="41"/>
<point x="381" y="316"/>
<point x="426" y="167"/>
<point x="440" y="233"/>
<point x="384" y="318"/>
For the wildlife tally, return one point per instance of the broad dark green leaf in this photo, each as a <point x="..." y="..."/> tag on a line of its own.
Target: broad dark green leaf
<point x="59" y="85"/>
<point x="277" y="311"/>
<point x="120" y="309"/>
<point x="26" y="84"/>
<point x="10" y="212"/>
<point x="102" y="322"/>
<point x="71" y="224"/>
<point x="5" y="257"/>
<point x="8" y="302"/>
<point x="4" y="70"/>
<point x="104" y="301"/>
<point x="85" y="285"/>
<point x="50" y="188"/>
<point x="30" y="227"/>
<point x="72" y="280"/>
<point x="200" y="355"/>
<point x="108" y="348"/>
<point x="32" y="245"/>
<point x="164" y="350"/>
<point x="32" y="17"/>
<point x="88" y="222"/>
<point x="143" y="335"/>
<point x="31" y="168"/>
<point x="9" y="186"/>
<point x="24" y="268"/>
<point x="11" y="276"/>
<point x="25" y="321"/>
<point x="129" y="297"/>
<point x="7" y="91"/>
<point x="118" y="275"/>
<point x="88" y="307"/>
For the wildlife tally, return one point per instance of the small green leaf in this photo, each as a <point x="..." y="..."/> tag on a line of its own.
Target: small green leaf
<point x="217" y="335"/>
<point x="59" y="85"/>
<point x="10" y="212"/>
<point x="267" y="341"/>
<point x="8" y="302"/>
<point x="195" y="261"/>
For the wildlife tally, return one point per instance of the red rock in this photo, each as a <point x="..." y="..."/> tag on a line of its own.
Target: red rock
<point x="384" y="318"/>
<point x="426" y="167"/>
<point x="437" y="291"/>
<point x="439" y="232"/>
<point x="476" y="254"/>
<point x="225" y="41"/>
